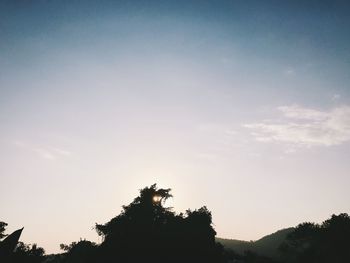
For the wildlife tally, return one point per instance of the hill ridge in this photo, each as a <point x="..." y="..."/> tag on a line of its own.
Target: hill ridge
<point x="266" y="246"/>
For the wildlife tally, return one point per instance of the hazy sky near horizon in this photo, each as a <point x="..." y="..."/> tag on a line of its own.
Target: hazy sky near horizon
<point x="242" y="106"/>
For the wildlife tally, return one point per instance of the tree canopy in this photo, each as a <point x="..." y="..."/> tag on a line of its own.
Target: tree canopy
<point x="157" y="233"/>
<point x="328" y="242"/>
<point x="3" y="226"/>
<point x="13" y="251"/>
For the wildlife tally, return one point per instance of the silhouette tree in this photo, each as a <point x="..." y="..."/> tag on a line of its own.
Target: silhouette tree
<point x="8" y="245"/>
<point x="79" y="252"/>
<point x="328" y="242"/>
<point x="25" y="253"/>
<point x="3" y="226"/>
<point x="13" y="251"/>
<point x="146" y="231"/>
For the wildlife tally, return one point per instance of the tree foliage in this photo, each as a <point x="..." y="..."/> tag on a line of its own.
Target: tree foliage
<point x="79" y="252"/>
<point x="27" y="253"/>
<point x="12" y="251"/>
<point x="328" y="242"/>
<point x="3" y="226"/>
<point x="157" y="234"/>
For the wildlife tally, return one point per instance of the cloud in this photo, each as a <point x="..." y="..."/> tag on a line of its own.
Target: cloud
<point x="336" y="97"/>
<point x="297" y="112"/>
<point x="19" y="144"/>
<point x="289" y="72"/>
<point x="51" y="153"/>
<point x="61" y="151"/>
<point x="305" y="127"/>
<point x="46" y="152"/>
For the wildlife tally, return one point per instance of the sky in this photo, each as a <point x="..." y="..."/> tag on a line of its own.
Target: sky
<point x="242" y="106"/>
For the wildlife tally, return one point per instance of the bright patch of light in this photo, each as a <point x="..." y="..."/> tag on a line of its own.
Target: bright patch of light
<point x="157" y="198"/>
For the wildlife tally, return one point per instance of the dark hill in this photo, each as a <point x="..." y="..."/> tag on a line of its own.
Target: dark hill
<point x="266" y="246"/>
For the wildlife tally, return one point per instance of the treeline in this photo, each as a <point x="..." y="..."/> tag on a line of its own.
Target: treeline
<point x="146" y="231"/>
<point x="11" y="250"/>
<point x="327" y="242"/>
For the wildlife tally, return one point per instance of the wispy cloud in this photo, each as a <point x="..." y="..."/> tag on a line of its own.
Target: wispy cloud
<point x="336" y="97"/>
<point x="305" y="127"/>
<point x="300" y="113"/>
<point x="289" y="72"/>
<point x="60" y="151"/>
<point x="45" y="152"/>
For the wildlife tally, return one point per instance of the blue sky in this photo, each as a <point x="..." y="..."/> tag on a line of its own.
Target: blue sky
<point x="243" y="106"/>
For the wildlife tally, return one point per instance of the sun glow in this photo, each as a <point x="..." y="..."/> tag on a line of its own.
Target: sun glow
<point x="157" y="198"/>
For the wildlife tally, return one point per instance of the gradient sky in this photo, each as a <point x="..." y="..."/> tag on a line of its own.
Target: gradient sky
<point x="243" y="106"/>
